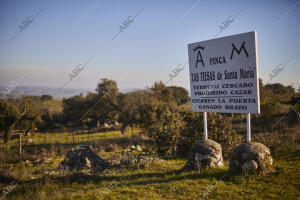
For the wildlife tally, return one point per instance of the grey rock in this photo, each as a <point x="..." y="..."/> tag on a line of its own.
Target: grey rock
<point x="251" y="157"/>
<point x="139" y="148"/>
<point x="203" y="154"/>
<point x="132" y="148"/>
<point x="249" y="166"/>
<point x="82" y="157"/>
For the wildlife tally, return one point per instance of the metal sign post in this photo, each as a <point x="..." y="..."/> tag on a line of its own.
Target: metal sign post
<point x="205" y="125"/>
<point x="248" y="128"/>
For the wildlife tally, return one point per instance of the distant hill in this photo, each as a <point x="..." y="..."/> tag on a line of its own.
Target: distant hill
<point x="55" y="92"/>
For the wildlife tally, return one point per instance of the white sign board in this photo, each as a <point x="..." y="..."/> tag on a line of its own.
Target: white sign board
<point x="224" y="74"/>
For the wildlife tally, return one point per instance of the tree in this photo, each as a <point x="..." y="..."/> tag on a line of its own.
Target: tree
<point x="171" y="94"/>
<point x="161" y="92"/>
<point x="47" y="122"/>
<point x="46" y="97"/>
<point x="128" y="109"/>
<point x="264" y="93"/>
<point x="74" y="109"/>
<point x="30" y="114"/>
<point x="106" y="102"/>
<point x="91" y="119"/>
<point x="107" y="89"/>
<point x="180" y="95"/>
<point x="8" y="118"/>
<point x="279" y="89"/>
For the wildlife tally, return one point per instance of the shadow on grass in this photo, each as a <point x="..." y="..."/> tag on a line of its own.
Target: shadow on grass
<point x="153" y="178"/>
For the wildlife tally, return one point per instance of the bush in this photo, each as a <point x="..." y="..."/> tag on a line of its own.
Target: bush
<point x="281" y="144"/>
<point x="164" y="128"/>
<point x="175" y="132"/>
<point x="267" y="110"/>
<point x="219" y="130"/>
<point x="297" y="108"/>
<point x="193" y="131"/>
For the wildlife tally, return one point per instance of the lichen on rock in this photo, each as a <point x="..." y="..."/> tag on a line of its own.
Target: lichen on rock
<point x="204" y="154"/>
<point x="251" y="157"/>
<point x="82" y="157"/>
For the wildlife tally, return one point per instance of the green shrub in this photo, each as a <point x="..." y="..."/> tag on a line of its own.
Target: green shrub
<point x="267" y="110"/>
<point x="297" y="108"/>
<point x="270" y="109"/>
<point x="165" y="125"/>
<point x="219" y="130"/>
<point x="175" y="132"/>
<point x="193" y="131"/>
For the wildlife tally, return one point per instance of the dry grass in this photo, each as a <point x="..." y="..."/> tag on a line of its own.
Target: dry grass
<point x="160" y="180"/>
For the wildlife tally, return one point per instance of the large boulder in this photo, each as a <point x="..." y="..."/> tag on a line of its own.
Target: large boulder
<point x="83" y="158"/>
<point x="251" y="157"/>
<point x="203" y="154"/>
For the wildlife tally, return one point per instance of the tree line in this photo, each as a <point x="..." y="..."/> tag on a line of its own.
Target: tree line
<point x="105" y="106"/>
<point x="163" y="112"/>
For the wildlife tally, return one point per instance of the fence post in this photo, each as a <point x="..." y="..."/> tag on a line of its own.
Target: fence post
<point x="20" y="143"/>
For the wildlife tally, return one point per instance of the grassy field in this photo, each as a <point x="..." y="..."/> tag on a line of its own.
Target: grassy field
<point x="67" y="137"/>
<point x="23" y="179"/>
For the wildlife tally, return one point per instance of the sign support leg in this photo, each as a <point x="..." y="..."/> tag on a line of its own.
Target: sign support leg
<point x="205" y="125"/>
<point x="248" y="128"/>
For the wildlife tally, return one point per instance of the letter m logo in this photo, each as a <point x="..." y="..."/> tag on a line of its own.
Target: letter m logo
<point x="238" y="51"/>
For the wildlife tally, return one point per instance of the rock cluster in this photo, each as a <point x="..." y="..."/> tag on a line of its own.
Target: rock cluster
<point x="203" y="154"/>
<point x="251" y="157"/>
<point x="82" y="157"/>
<point x="135" y="148"/>
<point x="130" y="159"/>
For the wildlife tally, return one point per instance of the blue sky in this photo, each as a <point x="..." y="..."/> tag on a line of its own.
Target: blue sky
<point x="70" y="32"/>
